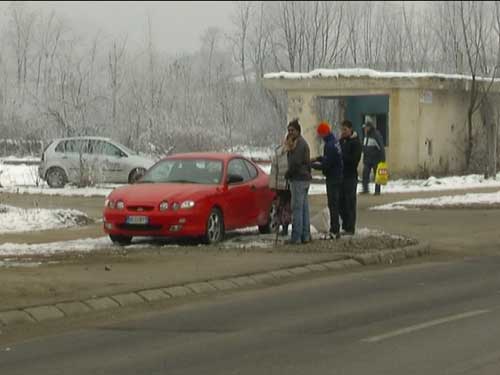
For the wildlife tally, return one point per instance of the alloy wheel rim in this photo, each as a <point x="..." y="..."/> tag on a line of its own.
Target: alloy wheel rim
<point x="214" y="227"/>
<point x="56" y="178"/>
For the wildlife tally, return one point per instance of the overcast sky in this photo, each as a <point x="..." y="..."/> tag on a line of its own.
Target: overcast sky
<point x="177" y="25"/>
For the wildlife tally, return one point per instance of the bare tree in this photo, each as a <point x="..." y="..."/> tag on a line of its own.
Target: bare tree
<point x="23" y="20"/>
<point x="115" y="61"/>
<point x="474" y="27"/>
<point x="242" y="22"/>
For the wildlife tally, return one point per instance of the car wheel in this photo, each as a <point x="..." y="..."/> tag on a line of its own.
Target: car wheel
<point x="272" y="224"/>
<point x="215" y="227"/>
<point x="120" y="240"/>
<point x="135" y="175"/>
<point x="56" y="177"/>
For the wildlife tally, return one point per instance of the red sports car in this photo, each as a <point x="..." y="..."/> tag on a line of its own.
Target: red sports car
<point x="192" y="195"/>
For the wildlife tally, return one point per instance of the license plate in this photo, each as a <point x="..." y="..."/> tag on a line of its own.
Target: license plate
<point x="141" y="220"/>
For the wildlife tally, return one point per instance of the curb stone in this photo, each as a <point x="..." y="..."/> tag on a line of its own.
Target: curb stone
<point x="281" y="274"/>
<point x="223" y="284"/>
<point x="317" y="267"/>
<point x="127" y="299"/>
<point x="300" y="270"/>
<point x="201" y="288"/>
<point x="41" y="313"/>
<point x="153" y="295"/>
<point x="243" y="281"/>
<point x="264" y="278"/>
<point x="73" y="308"/>
<point x="12" y="317"/>
<point x="177" y="291"/>
<point x="59" y="310"/>
<point x="101" y="303"/>
<point x="367" y="259"/>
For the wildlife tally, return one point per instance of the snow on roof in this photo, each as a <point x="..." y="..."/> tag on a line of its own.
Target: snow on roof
<point x="369" y="73"/>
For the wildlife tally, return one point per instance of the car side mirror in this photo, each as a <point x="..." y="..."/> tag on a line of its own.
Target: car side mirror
<point x="234" y="178"/>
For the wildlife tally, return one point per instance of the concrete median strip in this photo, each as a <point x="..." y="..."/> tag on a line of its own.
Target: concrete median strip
<point x="42" y="313"/>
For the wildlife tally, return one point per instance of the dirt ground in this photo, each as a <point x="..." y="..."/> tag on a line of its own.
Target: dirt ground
<point x="463" y="232"/>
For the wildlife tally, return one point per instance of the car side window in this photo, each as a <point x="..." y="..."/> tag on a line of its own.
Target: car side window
<point x="75" y="146"/>
<point x="104" y="148"/>
<point x="251" y="169"/>
<point x="71" y="146"/>
<point x="237" y="167"/>
<point x="61" y="146"/>
<point x="112" y="150"/>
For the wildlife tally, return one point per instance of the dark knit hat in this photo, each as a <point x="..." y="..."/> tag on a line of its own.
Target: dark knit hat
<point x="294" y="124"/>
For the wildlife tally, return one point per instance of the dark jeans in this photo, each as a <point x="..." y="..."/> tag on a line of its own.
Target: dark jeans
<point x="367" y="168"/>
<point x="347" y="203"/>
<point x="333" y="194"/>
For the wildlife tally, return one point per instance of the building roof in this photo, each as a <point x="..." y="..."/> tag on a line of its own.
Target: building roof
<point x="352" y="78"/>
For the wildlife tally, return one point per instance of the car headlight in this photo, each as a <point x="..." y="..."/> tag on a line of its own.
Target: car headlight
<point x="163" y="206"/>
<point x="187" y="204"/>
<point x="120" y="205"/>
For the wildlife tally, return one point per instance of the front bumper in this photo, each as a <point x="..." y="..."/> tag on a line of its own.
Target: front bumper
<point x="180" y="223"/>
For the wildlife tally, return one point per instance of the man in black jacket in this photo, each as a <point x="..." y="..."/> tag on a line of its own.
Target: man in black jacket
<point x="351" y="154"/>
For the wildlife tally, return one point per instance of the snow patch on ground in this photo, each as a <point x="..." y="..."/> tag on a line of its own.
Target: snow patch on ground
<point x="13" y="219"/>
<point x="465" y="200"/>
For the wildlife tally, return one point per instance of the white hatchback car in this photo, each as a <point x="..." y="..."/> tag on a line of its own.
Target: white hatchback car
<point x="85" y="160"/>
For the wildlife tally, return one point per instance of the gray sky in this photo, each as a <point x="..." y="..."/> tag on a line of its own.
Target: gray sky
<point x="177" y="25"/>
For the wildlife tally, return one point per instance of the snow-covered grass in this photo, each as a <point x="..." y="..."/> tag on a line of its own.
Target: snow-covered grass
<point x="449" y="201"/>
<point x="13" y="219"/>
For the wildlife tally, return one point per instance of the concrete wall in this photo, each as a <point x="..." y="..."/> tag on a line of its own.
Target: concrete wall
<point x="427" y="131"/>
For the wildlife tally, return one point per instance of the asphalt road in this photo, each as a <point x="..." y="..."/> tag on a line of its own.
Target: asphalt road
<point x="429" y="318"/>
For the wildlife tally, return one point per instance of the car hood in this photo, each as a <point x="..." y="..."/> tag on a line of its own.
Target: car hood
<point x="156" y="193"/>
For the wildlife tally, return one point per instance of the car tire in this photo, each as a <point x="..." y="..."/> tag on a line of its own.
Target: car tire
<point x="272" y="225"/>
<point x="120" y="240"/>
<point x="135" y="174"/>
<point x="56" y="177"/>
<point x="214" y="231"/>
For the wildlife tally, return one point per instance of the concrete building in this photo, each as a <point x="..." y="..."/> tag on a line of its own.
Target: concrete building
<point x="422" y="116"/>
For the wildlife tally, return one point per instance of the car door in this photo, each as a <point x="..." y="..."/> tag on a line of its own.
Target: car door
<point x="239" y="196"/>
<point x="259" y="190"/>
<point x="73" y="157"/>
<point x="112" y="162"/>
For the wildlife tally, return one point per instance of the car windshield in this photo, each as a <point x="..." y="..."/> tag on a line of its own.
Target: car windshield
<point x="126" y="149"/>
<point x="188" y="171"/>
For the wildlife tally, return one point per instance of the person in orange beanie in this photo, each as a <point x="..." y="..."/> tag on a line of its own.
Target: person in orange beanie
<point x="331" y="164"/>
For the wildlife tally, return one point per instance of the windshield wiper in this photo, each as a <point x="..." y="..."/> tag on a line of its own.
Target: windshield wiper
<point x="183" y="181"/>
